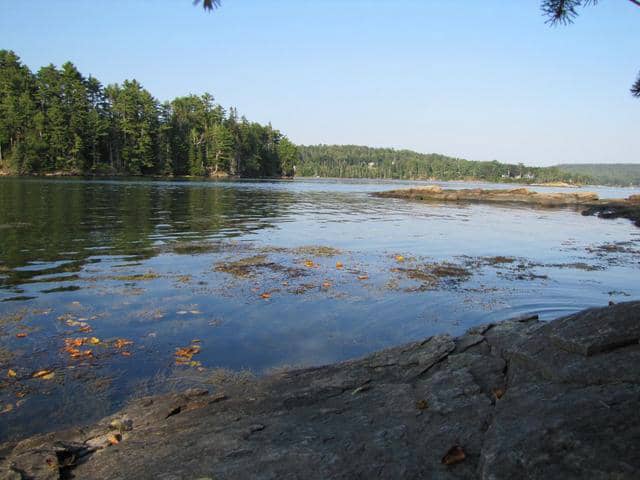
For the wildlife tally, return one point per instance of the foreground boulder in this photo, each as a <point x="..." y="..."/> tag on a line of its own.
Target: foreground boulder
<point x="517" y="399"/>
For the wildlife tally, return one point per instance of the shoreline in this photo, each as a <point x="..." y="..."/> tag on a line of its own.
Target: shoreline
<point x="124" y="176"/>
<point x="4" y="173"/>
<point x="557" y="399"/>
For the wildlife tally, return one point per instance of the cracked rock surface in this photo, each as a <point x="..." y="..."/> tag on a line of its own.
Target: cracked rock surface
<point x="517" y="399"/>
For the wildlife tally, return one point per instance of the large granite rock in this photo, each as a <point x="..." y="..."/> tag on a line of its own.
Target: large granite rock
<point x="518" y="399"/>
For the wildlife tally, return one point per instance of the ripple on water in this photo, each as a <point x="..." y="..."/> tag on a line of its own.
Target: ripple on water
<point x="153" y="263"/>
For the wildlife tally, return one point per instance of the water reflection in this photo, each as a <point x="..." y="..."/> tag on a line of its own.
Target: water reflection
<point x="55" y="226"/>
<point x="87" y="266"/>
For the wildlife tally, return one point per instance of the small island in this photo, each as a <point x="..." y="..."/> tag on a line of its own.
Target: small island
<point x="588" y="202"/>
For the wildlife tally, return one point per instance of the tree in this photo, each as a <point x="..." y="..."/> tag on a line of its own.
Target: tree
<point x="134" y="127"/>
<point x="565" y="11"/>
<point x="223" y="150"/>
<point x="193" y="119"/>
<point x="289" y="156"/>
<point x="58" y="120"/>
<point x="75" y="107"/>
<point x="97" y="122"/>
<point x="165" y="156"/>
<point x="18" y="141"/>
<point x="366" y="162"/>
<point x="208" y="4"/>
<point x="51" y="123"/>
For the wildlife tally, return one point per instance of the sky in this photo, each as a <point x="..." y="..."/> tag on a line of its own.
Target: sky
<point x="481" y="80"/>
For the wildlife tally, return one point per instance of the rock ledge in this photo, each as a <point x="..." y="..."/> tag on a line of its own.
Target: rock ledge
<point x="517" y="399"/>
<point x="588" y="202"/>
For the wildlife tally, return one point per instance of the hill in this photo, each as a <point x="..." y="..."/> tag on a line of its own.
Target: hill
<point x="353" y="161"/>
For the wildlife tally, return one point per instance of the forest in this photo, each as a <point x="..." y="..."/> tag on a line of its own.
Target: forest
<point x="622" y="174"/>
<point x="58" y="121"/>
<point x="387" y="163"/>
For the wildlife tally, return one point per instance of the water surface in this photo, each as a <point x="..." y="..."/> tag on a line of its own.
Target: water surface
<point x="102" y="282"/>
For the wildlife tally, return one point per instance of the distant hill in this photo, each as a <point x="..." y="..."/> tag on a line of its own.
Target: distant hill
<point x="354" y="161"/>
<point x="623" y="174"/>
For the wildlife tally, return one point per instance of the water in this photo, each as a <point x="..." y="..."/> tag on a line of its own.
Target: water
<point x="152" y="263"/>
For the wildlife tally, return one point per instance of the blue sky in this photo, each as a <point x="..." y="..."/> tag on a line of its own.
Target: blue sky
<point x="477" y="79"/>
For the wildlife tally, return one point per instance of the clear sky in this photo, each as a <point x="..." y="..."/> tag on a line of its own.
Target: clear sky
<point x="477" y="79"/>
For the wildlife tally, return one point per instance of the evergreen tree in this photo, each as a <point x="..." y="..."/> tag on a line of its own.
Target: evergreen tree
<point x="97" y="124"/>
<point x="75" y="110"/>
<point x="289" y="156"/>
<point x="222" y="152"/>
<point x="17" y="110"/>
<point x="60" y="121"/>
<point x="134" y="119"/>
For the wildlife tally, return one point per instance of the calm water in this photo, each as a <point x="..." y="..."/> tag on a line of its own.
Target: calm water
<point x="221" y="269"/>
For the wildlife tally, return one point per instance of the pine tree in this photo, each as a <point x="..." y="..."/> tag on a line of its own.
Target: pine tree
<point x="58" y="120"/>
<point x="17" y="110"/>
<point x="222" y="149"/>
<point x="288" y="155"/>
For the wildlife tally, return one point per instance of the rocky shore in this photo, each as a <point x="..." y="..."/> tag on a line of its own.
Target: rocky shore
<point x="517" y="399"/>
<point x="587" y="202"/>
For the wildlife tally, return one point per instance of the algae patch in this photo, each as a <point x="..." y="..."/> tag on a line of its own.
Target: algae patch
<point x="136" y="277"/>
<point x="432" y="275"/>
<point x="317" y="251"/>
<point x="250" y="266"/>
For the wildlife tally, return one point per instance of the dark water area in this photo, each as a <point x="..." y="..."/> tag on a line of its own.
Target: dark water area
<point x="110" y="290"/>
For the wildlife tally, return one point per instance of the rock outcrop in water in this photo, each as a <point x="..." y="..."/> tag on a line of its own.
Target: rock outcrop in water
<point x="517" y="399"/>
<point x="516" y="195"/>
<point x="589" y="202"/>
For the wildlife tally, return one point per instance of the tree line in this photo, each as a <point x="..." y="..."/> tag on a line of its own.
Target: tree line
<point x="621" y="174"/>
<point x="57" y="120"/>
<point x="355" y="161"/>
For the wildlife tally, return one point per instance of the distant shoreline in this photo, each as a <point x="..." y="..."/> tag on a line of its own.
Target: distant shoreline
<point x="88" y="175"/>
<point x="133" y="175"/>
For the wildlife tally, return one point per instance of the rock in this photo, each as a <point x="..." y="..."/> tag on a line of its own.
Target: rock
<point x="195" y="392"/>
<point x="597" y="330"/>
<point x="556" y="184"/>
<point x="629" y="209"/>
<point x="515" y="195"/>
<point x="517" y="399"/>
<point x="571" y="409"/>
<point x="121" y="425"/>
<point x="430" y="189"/>
<point x="588" y="202"/>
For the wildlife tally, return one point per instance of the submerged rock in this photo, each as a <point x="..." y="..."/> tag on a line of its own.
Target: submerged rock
<point x="517" y="399"/>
